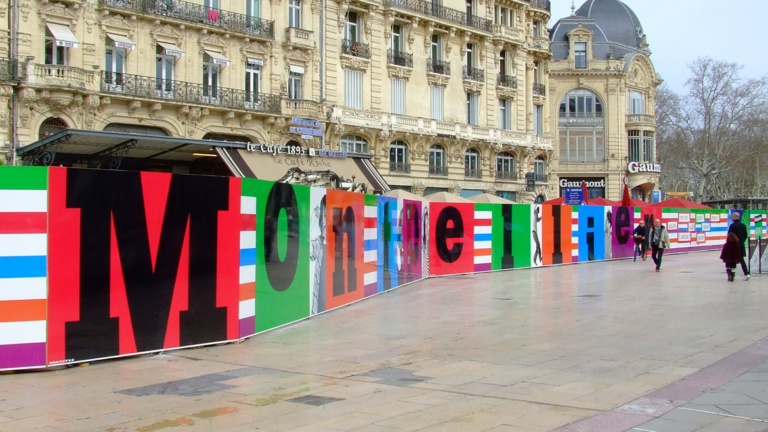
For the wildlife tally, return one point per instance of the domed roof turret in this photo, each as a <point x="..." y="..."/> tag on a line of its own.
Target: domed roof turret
<point x="617" y="21"/>
<point x="617" y="30"/>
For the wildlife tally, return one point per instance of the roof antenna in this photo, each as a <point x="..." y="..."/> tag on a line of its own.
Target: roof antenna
<point x="573" y="7"/>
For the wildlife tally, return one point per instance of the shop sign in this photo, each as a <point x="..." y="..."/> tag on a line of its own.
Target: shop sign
<point x="638" y="167"/>
<point x="576" y="183"/>
<point x="307" y="128"/>
<point x="294" y="150"/>
<point x="530" y="182"/>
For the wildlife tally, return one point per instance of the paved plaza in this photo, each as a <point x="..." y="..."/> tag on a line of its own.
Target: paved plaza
<point x="609" y="346"/>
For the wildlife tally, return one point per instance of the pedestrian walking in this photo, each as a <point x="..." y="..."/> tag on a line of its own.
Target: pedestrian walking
<point x="659" y="242"/>
<point x="731" y="255"/>
<point x="740" y="230"/>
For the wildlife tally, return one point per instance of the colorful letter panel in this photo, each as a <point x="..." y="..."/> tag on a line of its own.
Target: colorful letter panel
<point x="23" y="267"/>
<point x="451" y="248"/>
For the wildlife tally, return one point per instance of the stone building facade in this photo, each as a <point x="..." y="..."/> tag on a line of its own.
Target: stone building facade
<point x="446" y="96"/>
<point x="602" y="98"/>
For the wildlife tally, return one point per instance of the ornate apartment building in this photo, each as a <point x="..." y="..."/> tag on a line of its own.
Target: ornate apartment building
<point x="445" y="95"/>
<point x="602" y="96"/>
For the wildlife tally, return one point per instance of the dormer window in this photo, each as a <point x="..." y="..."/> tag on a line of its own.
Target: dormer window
<point x="580" y="55"/>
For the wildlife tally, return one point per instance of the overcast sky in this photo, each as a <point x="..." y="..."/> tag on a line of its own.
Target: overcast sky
<point x="680" y="31"/>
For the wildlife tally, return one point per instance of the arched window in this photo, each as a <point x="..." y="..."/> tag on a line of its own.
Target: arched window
<point x="471" y="164"/>
<point x="398" y="158"/>
<point x="353" y="144"/>
<point x="505" y="166"/>
<point x="581" y="131"/>
<point x="135" y="129"/>
<point x="437" y="161"/>
<point x="50" y="126"/>
<point x="581" y="103"/>
<point x="540" y="169"/>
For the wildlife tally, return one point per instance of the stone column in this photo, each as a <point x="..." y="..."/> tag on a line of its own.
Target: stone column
<point x="528" y="92"/>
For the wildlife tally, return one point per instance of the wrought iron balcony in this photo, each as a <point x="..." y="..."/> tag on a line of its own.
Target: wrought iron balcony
<point x="507" y="81"/>
<point x="438" y="170"/>
<point x="397" y="167"/>
<point x="442" y="12"/>
<point x="400" y="58"/>
<point x="180" y="91"/>
<point x="356" y="49"/>
<point x="540" y="4"/>
<point x="505" y="175"/>
<point x="200" y="14"/>
<point x="539" y="90"/>
<point x="474" y="74"/>
<point x="438" y="66"/>
<point x="540" y="178"/>
<point x="472" y="173"/>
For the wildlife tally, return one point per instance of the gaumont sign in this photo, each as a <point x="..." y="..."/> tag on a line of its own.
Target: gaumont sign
<point x="590" y="183"/>
<point x="638" y="167"/>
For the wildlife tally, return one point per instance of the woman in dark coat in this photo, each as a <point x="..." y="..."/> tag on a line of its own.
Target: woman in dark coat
<point x="731" y="255"/>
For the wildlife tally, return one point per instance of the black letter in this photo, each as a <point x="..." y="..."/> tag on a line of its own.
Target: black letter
<point x="281" y="273"/>
<point x="443" y="233"/>
<point x="622" y="222"/>
<point x="344" y="228"/>
<point x="507" y="259"/>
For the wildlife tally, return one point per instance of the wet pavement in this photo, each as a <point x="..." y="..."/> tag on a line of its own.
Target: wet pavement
<point x="609" y="346"/>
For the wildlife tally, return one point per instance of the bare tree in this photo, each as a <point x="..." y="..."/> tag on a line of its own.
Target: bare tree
<point x="712" y="139"/>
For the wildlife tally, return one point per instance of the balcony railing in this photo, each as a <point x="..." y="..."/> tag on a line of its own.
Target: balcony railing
<point x="436" y="10"/>
<point x="400" y="58"/>
<point x="154" y="88"/>
<point x="438" y="170"/>
<point x="539" y="90"/>
<point x="472" y="173"/>
<point x="580" y="118"/>
<point x="303" y="105"/>
<point x="474" y="74"/>
<point x="356" y="49"/>
<point x="196" y="13"/>
<point x="438" y="66"/>
<point x="641" y="118"/>
<point x="505" y="175"/>
<point x="539" y="4"/>
<point x="63" y="73"/>
<point x="540" y="178"/>
<point x="540" y="43"/>
<point x="507" y="81"/>
<point x="510" y="32"/>
<point x="397" y="167"/>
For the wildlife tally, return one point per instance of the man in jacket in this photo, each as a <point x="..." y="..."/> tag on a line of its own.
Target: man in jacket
<point x="740" y="230"/>
<point x="659" y="241"/>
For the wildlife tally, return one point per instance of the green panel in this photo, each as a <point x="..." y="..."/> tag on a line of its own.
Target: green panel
<point x="371" y="201"/>
<point x="521" y="234"/>
<point x="248" y="187"/>
<point x="275" y="308"/>
<point x="23" y="178"/>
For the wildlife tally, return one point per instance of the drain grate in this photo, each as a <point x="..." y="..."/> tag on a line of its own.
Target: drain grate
<point x="590" y="295"/>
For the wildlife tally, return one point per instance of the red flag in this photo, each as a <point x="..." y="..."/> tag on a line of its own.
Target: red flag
<point x="626" y="200"/>
<point x="584" y="187"/>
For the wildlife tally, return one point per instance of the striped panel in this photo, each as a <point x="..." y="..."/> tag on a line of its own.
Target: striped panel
<point x="247" y="266"/>
<point x="23" y="267"/>
<point x="752" y="225"/>
<point x="370" y="253"/>
<point x="575" y="233"/>
<point x="483" y="240"/>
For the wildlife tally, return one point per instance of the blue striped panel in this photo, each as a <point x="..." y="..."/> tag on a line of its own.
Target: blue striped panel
<point x="483" y="237"/>
<point x="22" y="267"/>
<point x="370" y="245"/>
<point x="247" y="257"/>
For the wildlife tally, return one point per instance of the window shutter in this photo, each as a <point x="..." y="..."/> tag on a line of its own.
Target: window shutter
<point x="353" y="91"/>
<point x="398" y="96"/>
<point x="437" y="102"/>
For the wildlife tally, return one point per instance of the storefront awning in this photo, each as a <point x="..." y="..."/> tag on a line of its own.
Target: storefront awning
<point x="218" y="58"/>
<point x="266" y="166"/>
<point x="171" y="49"/>
<point x="63" y="35"/>
<point x="121" y="41"/>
